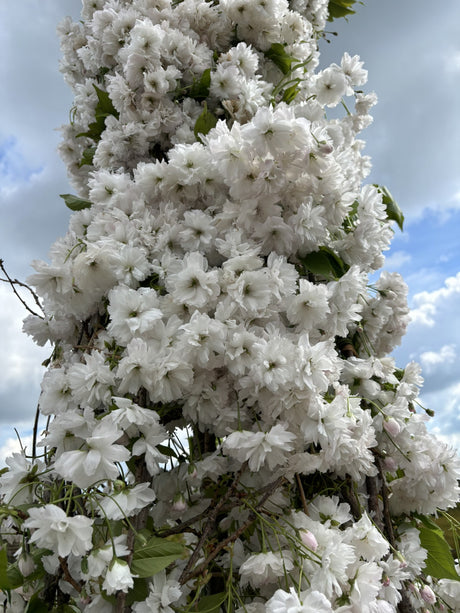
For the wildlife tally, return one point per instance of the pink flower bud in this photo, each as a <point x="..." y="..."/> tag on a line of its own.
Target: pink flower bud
<point x="192" y="471"/>
<point x="390" y="464"/>
<point x="392" y="426"/>
<point x="309" y="540"/>
<point x="179" y="503"/>
<point x="428" y="595"/>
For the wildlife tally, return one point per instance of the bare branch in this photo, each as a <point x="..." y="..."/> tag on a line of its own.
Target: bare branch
<point x="13" y="282"/>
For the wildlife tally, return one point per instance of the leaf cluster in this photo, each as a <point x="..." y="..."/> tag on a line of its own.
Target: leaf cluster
<point x="340" y="8"/>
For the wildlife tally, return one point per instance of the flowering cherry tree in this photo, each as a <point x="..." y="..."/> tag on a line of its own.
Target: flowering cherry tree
<point x="225" y="430"/>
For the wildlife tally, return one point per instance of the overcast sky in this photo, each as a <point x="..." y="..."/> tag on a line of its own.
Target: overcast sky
<point x="412" y="53"/>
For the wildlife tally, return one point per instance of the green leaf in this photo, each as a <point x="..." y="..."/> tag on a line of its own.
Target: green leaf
<point x="278" y="56"/>
<point x="393" y="211"/>
<point x="153" y="556"/>
<point x="74" y="203"/>
<point x="104" y="108"/>
<point x="326" y="263"/>
<point x="87" y="157"/>
<point x="104" y="105"/>
<point x="210" y="604"/>
<point x="205" y="122"/>
<point x="94" y="130"/>
<point x="139" y="591"/>
<point x="36" y="605"/>
<point x="10" y="576"/>
<point x="439" y="563"/>
<point x="340" y="8"/>
<point x="14" y="576"/>
<point x="4" y="581"/>
<point x="290" y="93"/>
<point x="167" y="451"/>
<point x="200" y="89"/>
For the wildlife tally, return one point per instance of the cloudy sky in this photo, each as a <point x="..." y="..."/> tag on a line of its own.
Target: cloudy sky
<point x="412" y="53"/>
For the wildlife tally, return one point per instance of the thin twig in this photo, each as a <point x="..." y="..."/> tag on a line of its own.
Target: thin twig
<point x="14" y="282"/>
<point x="35" y="432"/>
<point x="386" y="505"/>
<point x="302" y="493"/>
<point x="373" y="502"/>
<point x="67" y="576"/>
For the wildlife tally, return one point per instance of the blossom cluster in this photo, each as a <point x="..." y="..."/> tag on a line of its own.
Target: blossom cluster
<point x="224" y="421"/>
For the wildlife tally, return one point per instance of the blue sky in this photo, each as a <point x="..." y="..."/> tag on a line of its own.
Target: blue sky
<point x="412" y="53"/>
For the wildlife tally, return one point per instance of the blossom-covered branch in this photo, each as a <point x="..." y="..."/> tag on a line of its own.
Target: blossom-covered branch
<point x="226" y="430"/>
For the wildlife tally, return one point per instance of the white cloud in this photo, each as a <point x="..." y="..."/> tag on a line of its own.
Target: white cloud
<point x="433" y="339"/>
<point x="397" y="259"/>
<point x="20" y="358"/>
<point x="446" y="422"/>
<point x="34" y="101"/>
<point x="428" y="304"/>
<point x="20" y="365"/>
<point x="452" y="61"/>
<point x="431" y="360"/>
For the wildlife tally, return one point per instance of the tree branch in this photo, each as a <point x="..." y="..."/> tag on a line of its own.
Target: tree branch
<point x="211" y="522"/>
<point x="14" y="282"/>
<point x="67" y="576"/>
<point x="252" y="518"/>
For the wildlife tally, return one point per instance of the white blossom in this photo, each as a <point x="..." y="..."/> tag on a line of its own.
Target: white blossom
<point x="56" y="531"/>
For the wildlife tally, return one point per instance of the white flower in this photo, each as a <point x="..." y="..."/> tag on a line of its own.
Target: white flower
<point x="55" y="531"/>
<point x="353" y="70"/>
<point x="131" y="265"/>
<point x="127" y="502"/>
<point x="118" y="577"/>
<point x="449" y="591"/>
<point x="134" y="369"/>
<point x="163" y="592"/>
<point x="17" y="483"/>
<point x="193" y="285"/>
<point x="98" y="461"/>
<point x="129" y="416"/>
<point x="262" y="568"/>
<point x="309" y="307"/>
<point x="132" y="312"/>
<point x="290" y="602"/>
<point x="100" y="558"/>
<point x="366" y="586"/>
<point x="147" y="445"/>
<point x="367" y="540"/>
<point x="329" y="510"/>
<point x="260" y="448"/>
<point x="331" y="84"/>
<point x="252" y="290"/>
<point x="56" y="396"/>
<point x="90" y="382"/>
